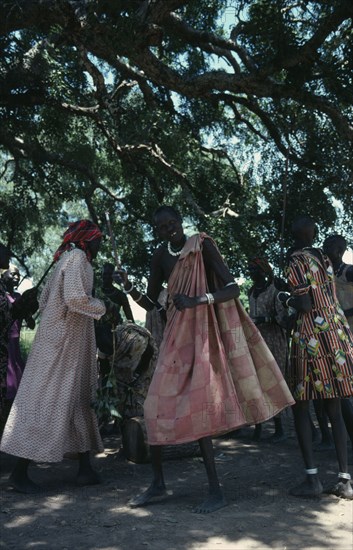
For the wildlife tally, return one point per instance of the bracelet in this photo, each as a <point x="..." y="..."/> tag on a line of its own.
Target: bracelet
<point x="210" y="298"/>
<point x="139" y="298"/>
<point x="287" y="301"/>
<point x="344" y="475"/>
<point x="311" y="471"/>
<point x="130" y="289"/>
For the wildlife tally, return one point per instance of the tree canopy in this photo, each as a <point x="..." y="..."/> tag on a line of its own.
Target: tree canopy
<point x="220" y="108"/>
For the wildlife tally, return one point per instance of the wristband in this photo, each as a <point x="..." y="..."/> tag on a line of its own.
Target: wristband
<point x="129" y="290"/>
<point x="210" y="298"/>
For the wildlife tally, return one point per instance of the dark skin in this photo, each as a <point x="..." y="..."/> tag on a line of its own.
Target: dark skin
<point x="259" y="279"/>
<point x="19" y="478"/>
<point x="170" y="229"/>
<point x="118" y="296"/>
<point x="335" y="249"/>
<point x="304" y="237"/>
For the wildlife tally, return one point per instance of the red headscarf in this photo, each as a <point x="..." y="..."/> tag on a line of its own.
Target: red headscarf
<point x="79" y="233"/>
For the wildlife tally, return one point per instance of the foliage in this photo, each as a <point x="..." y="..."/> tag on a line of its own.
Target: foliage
<point x="213" y="106"/>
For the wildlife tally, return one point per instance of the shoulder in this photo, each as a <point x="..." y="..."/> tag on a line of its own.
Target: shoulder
<point x="74" y="258"/>
<point x="160" y="251"/>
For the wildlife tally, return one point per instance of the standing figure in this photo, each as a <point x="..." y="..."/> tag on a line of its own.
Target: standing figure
<point x="15" y="365"/>
<point x="270" y="317"/>
<point x="6" y="320"/>
<point x="335" y="246"/>
<point x="51" y="414"/>
<point x="321" y="358"/>
<point x="10" y="311"/>
<point x="114" y="300"/>
<point x="214" y="372"/>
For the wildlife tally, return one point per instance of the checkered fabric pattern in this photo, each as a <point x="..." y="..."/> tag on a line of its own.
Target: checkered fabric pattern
<point x="214" y="372"/>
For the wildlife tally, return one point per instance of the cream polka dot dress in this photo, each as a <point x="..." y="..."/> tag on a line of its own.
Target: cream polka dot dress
<point x="52" y="413"/>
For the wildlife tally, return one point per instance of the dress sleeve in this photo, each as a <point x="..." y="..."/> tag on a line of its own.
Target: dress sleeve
<point x="297" y="276"/>
<point x="76" y="298"/>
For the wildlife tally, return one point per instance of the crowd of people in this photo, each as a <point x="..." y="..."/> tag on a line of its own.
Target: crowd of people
<point x="219" y="367"/>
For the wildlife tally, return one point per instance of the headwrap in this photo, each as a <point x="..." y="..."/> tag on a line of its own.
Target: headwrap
<point x="263" y="264"/>
<point x="79" y="233"/>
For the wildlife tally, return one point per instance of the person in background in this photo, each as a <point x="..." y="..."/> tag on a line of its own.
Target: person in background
<point x="10" y="311"/>
<point x="335" y="246"/>
<point x="114" y="300"/>
<point x="321" y="356"/>
<point x="270" y="317"/>
<point x="51" y="414"/>
<point x="15" y="365"/>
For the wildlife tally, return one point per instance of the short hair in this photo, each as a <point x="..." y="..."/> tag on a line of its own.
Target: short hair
<point x="302" y="222"/>
<point x="170" y="210"/>
<point x="338" y="239"/>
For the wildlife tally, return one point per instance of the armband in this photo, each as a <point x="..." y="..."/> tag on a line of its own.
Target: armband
<point x="129" y="290"/>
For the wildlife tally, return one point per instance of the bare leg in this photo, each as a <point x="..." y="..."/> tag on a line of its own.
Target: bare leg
<point x="86" y="475"/>
<point x="157" y="487"/>
<point x="257" y="432"/>
<point x="326" y="439"/>
<point x="347" y="413"/>
<point x="311" y="486"/>
<point x="279" y="434"/>
<point x="333" y="408"/>
<point x="19" y="478"/>
<point x="215" y="498"/>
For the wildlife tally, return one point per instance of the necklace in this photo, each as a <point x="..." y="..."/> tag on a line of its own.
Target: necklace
<point x="174" y="252"/>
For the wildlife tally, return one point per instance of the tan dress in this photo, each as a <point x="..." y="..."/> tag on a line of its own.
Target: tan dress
<point x="344" y="289"/>
<point x="52" y="413"/>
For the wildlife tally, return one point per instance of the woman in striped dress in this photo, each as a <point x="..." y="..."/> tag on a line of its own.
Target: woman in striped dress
<point x="321" y="359"/>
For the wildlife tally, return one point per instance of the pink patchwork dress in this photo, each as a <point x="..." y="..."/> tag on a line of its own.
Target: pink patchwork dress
<point x="214" y="371"/>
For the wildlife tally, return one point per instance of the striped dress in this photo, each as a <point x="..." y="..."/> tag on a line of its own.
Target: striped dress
<point x="321" y="358"/>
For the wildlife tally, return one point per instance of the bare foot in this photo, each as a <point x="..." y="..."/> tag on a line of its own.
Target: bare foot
<point x="311" y="487"/>
<point x="152" y="494"/>
<point x="211" y="504"/>
<point x="89" y="477"/>
<point x="342" y="490"/>
<point x="22" y="484"/>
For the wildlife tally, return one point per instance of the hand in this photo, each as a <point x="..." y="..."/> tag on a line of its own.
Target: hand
<point x="30" y="322"/>
<point x="283" y="296"/>
<point x="181" y="301"/>
<point x="120" y="276"/>
<point x="27" y="304"/>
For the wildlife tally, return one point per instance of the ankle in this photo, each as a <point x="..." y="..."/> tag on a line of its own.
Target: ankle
<point x="311" y="472"/>
<point x="344" y="477"/>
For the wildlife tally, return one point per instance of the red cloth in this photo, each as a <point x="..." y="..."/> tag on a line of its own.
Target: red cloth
<point x="214" y="371"/>
<point x="79" y="233"/>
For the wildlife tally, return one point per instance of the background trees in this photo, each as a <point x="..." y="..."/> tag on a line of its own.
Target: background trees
<point x="211" y="105"/>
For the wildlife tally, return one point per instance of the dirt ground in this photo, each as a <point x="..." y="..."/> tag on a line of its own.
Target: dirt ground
<point x="255" y="476"/>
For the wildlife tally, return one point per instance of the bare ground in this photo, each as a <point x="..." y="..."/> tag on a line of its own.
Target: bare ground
<point x="255" y="476"/>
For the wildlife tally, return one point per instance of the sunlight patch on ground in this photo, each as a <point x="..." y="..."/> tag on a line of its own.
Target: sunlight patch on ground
<point x="19" y="522"/>
<point x="222" y="543"/>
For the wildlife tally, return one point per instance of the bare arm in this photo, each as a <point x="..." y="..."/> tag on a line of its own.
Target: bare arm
<point x="215" y="264"/>
<point x="147" y="301"/>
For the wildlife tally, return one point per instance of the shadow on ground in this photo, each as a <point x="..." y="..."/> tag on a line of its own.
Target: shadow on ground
<point x="255" y="476"/>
